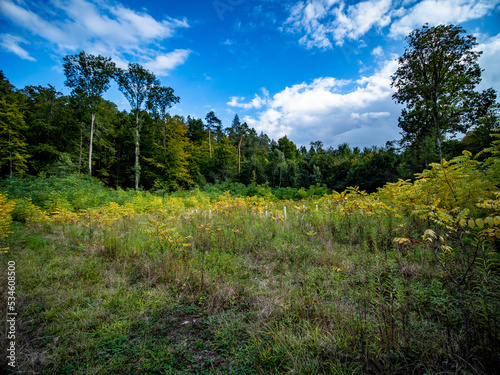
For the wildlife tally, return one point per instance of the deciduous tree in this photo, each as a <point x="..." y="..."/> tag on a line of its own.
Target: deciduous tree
<point x="436" y="78"/>
<point x="12" y="141"/>
<point x="160" y="99"/>
<point x="89" y="76"/>
<point x="135" y="83"/>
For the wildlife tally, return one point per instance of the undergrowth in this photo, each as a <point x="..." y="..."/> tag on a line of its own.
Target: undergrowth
<point x="401" y="281"/>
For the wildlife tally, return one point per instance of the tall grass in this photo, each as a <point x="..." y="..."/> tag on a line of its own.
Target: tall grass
<point x="204" y="282"/>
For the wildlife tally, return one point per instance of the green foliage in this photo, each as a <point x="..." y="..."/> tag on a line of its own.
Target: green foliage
<point x="89" y="76"/>
<point x="72" y="191"/>
<point x="13" y="148"/>
<point x="171" y="158"/>
<point x="53" y="130"/>
<point x="435" y="80"/>
<point x="136" y="84"/>
<point x="224" y="160"/>
<point x="220" y="279"/>
<point x="273" y="274"/>
<point x="6" y="208"/>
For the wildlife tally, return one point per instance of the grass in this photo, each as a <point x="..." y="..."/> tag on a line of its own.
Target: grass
<point x="239" y="289"/>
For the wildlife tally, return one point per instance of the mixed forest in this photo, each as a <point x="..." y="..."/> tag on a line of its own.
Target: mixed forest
<point x="146" y="242"/>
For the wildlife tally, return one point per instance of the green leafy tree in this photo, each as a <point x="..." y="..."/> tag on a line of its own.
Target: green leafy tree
<point x="136" y="83"/>
<point x="109" y="121"/>
<point x="160" y="99"/>
<point x="13" y="147"/>
<point x="254" y="170"/>
<point x="171" y="158"/>
<point x="436" y="78"/>
<point x="288" y="148"/>
<point x="277" y="165"/>
<point x="213" y="122"/>
<point x="237" y="133"/>
<point x="12" y="141"/>
<point x="53" y="130"/>
<point x="488" y="112"/>
<point x="317" y="178"/>
<point x="225" y="158"/>
<point x="196" y="131"/>
<point x="89" y="76"/>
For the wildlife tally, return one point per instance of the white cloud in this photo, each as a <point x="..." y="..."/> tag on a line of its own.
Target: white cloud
<point x="378" y="51"/>
<point x="162" y="64"/>
<point x="359" y="18"/>
<point x="323" y="23"/>
<point x="489" y="62"/>
<point x="11" y="44"/>
<point x="332" y="110"/>
<point x="369" y="115"/>
<point x="98" y="28"/>
<point x="437" y="12"/>
<point x="33" y="23"/>
<point x="256" y="103"/>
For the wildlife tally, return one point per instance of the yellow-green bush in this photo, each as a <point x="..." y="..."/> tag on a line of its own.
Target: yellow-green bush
<point x="6" y="208"/>
<point x="27" y="212"/>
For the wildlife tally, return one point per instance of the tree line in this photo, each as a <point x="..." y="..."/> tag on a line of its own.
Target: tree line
<point x="43" y="132"/>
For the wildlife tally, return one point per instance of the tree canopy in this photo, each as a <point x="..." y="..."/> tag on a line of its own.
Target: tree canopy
<point x="435" y="79"/>
<point x="136" y="83"/>
<point x="89" y="77"/>
<point x="44" y="132"/>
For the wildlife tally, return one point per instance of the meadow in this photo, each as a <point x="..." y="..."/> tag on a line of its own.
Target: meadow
<point x="402" y="281"/>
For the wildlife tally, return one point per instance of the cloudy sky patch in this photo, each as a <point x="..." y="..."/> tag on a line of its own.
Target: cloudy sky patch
<point x="309" y="69"/>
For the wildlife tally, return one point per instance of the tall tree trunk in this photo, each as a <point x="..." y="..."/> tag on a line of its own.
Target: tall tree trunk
<point x="164" y="151"/>
<point x="137" y="167"/>
<point x="436" y="124"/>
<point x="438" y="141"/>
<point x="209" y="143"/>
<point x="239" y="155"/>
<point x="10" y="157"/>
<point x="164" y="134"/>
<point x="90" y="145"/>
<point x="81" y="150"/>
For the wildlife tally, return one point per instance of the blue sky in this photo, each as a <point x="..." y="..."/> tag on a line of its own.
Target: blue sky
<point x="311" y="69"/>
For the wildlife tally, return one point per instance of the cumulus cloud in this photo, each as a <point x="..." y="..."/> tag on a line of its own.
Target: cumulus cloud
<point x="437" y="12"/>
<point x="332" y="110"/>
<point x="378" y="51"/>
<point x="11" y="43"/>
<point x="325" y="23"/>
<point x="97" y="27"/>
<point x="256" y="103"/>
<point x="162" y="64"/>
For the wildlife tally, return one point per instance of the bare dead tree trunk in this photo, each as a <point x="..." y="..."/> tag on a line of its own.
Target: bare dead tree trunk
<point x="90" y="145"/>
<point x="81" y="150"/>
<point x="137" y="167"/>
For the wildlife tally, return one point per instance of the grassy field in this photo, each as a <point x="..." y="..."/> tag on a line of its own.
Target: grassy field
<point x="119" y="282"/>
